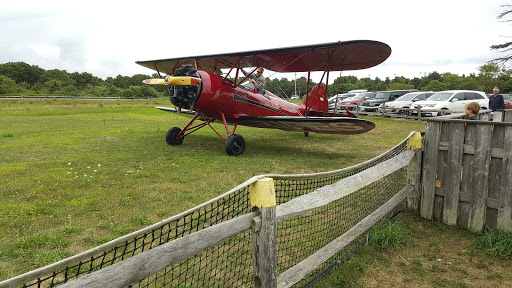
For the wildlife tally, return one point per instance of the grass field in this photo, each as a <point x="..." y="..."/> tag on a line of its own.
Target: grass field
<point x="76" y="174"/>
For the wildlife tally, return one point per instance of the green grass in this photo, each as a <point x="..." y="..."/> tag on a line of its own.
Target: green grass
<point x="495" y="242"/>
<point x="422" y="254"/>
<point x="80" y="173"/>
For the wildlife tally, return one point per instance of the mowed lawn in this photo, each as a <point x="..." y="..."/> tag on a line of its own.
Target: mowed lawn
<point x="76" y="174"/>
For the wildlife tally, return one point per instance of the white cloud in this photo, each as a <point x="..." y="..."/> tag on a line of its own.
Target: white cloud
<point x="105" y="38"/>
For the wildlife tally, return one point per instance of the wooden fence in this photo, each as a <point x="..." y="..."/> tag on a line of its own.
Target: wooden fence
<point x="467" y="172"/>
<point x="263" y="223"/>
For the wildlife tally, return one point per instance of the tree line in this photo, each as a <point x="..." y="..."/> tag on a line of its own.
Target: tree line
<point x="20" y="78"/>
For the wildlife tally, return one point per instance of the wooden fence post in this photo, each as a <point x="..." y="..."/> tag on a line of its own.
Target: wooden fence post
<point x="414" y="171"/>
<point x="264" y="231"/>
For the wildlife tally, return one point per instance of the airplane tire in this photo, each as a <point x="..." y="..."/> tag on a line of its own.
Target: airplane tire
<point x="235" y="145"/>
<point x="306" y="134"/>
<point x="170" y="137"/>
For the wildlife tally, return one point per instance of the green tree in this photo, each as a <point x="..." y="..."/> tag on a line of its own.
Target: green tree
<point x="507" y="46"/>
<point x="434" y="85"/>
<point x="7" y="85"/>
<point x="488" y="76"/>
<point x="141" y="92"/>
<point x="53" y="86"/>
<point x="84" y="79"/>
<point x="399" y="86"/>
<point x="21" y="72"/>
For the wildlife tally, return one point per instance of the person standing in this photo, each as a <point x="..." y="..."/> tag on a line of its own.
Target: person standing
<point x="496" y="100"/>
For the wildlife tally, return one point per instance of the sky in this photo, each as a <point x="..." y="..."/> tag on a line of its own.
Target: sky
<point x="105" y="38"/>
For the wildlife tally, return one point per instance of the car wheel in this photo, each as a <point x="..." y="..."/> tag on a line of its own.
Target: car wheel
<point x="445" y="112"/>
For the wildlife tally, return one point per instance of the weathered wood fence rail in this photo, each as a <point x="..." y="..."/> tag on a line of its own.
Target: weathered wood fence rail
<point x="263" y="223"/>
<point x="467" y="172"/>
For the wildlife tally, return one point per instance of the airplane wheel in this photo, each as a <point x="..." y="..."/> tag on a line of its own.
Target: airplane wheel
<point x="170" y="137"/>
<point x="235" y="145"/>
<point x="306" y="134"/>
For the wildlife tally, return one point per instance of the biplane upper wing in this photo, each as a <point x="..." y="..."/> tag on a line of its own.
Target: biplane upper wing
<point x="337" y="56"/>
<point x="325" y="125"/>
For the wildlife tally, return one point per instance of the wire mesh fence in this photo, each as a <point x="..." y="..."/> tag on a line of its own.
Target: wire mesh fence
<point x="229" y="264"/>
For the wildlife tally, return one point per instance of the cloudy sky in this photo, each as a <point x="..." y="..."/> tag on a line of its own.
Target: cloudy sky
<point x="105" y="38"/>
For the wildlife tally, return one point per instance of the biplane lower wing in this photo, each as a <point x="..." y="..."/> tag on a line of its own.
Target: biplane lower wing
<point x="324" y="125"/>
<point x="175" y="110"/>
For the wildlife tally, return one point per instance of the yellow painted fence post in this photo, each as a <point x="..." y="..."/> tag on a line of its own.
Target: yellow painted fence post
<point x="264" y="233"/>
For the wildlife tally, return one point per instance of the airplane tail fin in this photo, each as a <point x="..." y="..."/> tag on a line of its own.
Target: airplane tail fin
<point x="317" y="100"/>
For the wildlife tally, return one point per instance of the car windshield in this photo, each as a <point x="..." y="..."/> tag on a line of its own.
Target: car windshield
<point x="382" y="95"/>
<point x="441" y="96"/>
<point x="407" y="97"/>
<point x="359" y="96"/>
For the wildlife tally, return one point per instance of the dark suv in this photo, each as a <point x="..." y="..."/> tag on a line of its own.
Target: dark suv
<point x="372" y="105"/>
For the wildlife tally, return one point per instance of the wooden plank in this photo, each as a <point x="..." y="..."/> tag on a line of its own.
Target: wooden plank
<point x="330" y="193"/>
<point x="467" y="173"/>
<point x="497" y="116"/>
<point x="430" y="159"/>
<point x="453" y="170"/>
<point x="504" y="217"/>
<point x="297" y="272"/>
<point x="479" y="189"/>
<point x="495" y="173"/>
<point x="465" y="197"/>
<point x="143" y="265"/>
<point x="441" y="170"/>
<point x="508" y="116"/>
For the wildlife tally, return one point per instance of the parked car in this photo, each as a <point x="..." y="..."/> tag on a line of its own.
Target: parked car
<point x="453" y="101"/>
<point x="507" y="98"/>
<point x="359" y="98"/>
<point x="372" y="105"/>
<point x="406" y="101"/>
<point x="332" y="101"/>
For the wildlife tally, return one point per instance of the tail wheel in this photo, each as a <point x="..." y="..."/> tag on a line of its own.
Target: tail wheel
<point x="235" y="145"/>
<point x="171" y="136"/>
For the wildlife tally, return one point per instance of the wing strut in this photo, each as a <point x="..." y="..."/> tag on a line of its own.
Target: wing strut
<point x="159" y="75"/>
<point x="309" y="78"/>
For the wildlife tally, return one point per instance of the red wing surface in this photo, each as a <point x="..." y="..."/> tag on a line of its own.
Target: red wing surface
<point x="325" y="125"/>
<point x="337" y="56"/>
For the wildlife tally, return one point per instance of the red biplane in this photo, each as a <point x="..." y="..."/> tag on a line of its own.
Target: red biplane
<point x="196" y="86"/>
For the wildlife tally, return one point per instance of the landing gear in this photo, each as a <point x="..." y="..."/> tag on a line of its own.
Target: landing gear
<point x="306" y="134"/>
<point x="235" y="145"/>
<point x="172" y="136"/>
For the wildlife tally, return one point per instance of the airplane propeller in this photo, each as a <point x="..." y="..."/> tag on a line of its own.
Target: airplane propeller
<point x="173" y="81"/>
